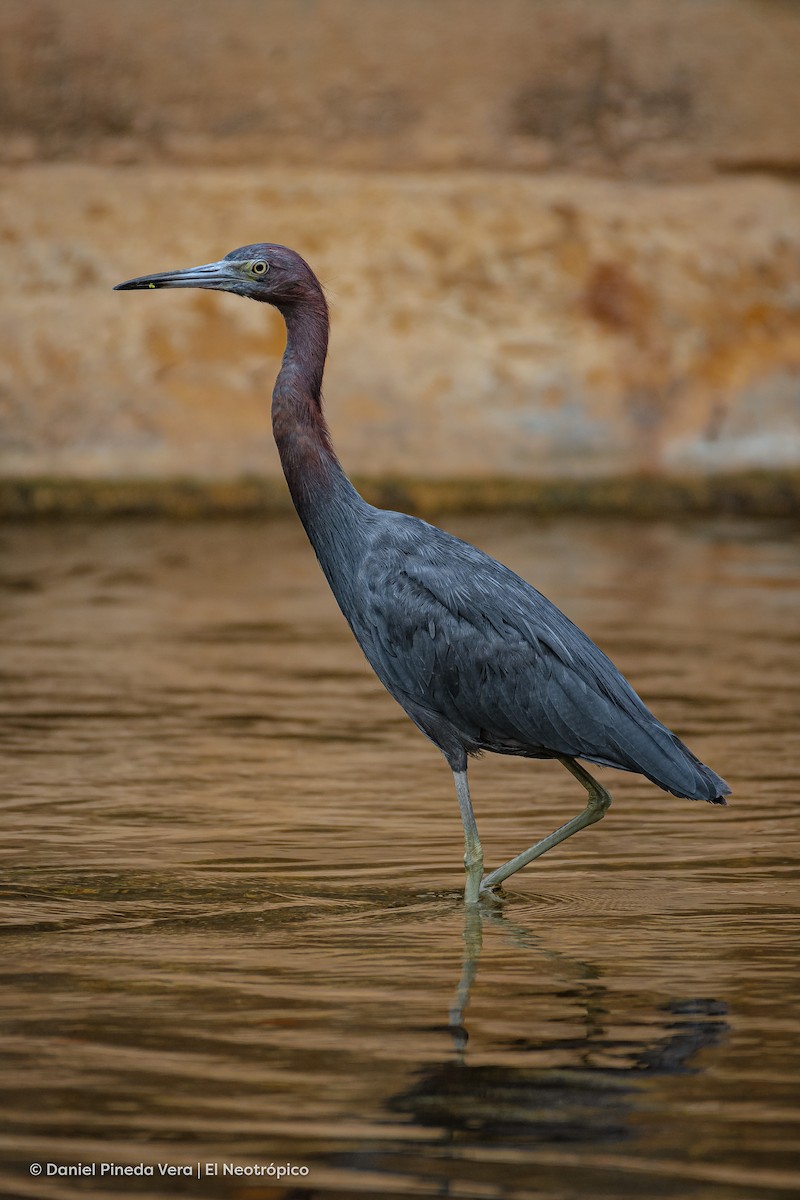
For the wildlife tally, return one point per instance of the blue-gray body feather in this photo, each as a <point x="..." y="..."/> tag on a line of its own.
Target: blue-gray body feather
<point x="482" y="661"/>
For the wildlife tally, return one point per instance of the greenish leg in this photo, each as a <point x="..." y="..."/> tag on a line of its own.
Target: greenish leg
<point x="596" y="808"/>
<point x="473" y="851"/>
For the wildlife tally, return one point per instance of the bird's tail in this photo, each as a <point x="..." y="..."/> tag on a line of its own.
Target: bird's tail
<point x="705" y="784"/>
<point x="664" y="759"/>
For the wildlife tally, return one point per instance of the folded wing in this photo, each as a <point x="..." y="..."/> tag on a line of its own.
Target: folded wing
<point x="453" y="633"/>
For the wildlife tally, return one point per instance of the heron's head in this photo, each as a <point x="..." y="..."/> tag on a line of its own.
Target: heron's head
<point x="273" y="274"/>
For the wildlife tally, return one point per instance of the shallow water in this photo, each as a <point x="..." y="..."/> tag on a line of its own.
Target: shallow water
<point x="231" y="873"/>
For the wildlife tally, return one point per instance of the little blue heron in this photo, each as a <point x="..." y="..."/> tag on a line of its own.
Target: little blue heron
<point x="477" y="657"/>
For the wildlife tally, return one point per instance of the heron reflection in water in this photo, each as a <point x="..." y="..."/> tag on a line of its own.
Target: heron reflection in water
<point x="583" y="1083"/>
<point x="479" y="659"/>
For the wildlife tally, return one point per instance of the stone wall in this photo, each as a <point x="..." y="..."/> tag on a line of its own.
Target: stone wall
<point x="560" y="239"/>
<point x="634" y="88"/>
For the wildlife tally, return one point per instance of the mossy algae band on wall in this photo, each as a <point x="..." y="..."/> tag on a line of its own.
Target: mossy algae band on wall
<point x="752" y="494"/>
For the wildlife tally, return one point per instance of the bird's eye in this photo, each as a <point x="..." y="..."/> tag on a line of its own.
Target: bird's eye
<point x="260" y="268"/>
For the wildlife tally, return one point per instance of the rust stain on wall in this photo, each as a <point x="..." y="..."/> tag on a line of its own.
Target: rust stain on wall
<point x="482" y="325"/>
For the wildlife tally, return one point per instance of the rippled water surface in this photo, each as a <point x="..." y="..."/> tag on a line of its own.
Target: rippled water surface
<point x="231" y="873"/>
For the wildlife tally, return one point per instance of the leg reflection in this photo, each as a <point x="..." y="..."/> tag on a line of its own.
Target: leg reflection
<point x="574" y="1067"/>
<point x="473" y="941"/>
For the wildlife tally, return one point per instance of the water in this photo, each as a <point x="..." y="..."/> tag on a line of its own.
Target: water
<point x="231" y="868"/>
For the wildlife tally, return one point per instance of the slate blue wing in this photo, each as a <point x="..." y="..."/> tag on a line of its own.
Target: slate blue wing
<point x="480" y="659"/>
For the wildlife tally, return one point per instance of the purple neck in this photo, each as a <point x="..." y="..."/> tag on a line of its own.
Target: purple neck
<point x="301" y="432"/>
<point x="327" y="503"/>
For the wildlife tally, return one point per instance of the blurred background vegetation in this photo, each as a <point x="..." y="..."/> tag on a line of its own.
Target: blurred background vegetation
<point x="561" y="241"/>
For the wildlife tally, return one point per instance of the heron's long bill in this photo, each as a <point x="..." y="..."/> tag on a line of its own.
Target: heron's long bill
<point x="217" y="275"/>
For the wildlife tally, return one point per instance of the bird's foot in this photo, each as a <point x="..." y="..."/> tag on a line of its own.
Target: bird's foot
<point x="477" y="891"/>
<point x="492" y="891"/>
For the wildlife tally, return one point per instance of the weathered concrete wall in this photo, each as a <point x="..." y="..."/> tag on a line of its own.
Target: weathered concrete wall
<point x="615" y="290"/>
<point x="482" y="324"/>
<point x="653" y="88"/>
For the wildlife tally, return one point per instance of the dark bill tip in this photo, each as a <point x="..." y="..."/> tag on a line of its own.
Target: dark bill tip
<point x="133" y="285"/>
<point x="218" y="276"/>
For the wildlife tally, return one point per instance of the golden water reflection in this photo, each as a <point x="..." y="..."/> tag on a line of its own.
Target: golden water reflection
<point x="231" y="876"/>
